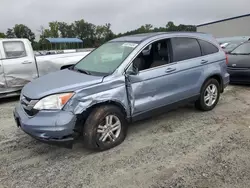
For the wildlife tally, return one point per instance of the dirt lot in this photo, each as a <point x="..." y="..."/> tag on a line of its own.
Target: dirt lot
<point x="183" y="148"/>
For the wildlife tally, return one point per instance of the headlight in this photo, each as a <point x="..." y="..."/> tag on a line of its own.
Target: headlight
<point x="53" y="102"/>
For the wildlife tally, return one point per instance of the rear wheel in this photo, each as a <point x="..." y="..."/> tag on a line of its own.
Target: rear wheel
<point x="105" y="128"/>
<point x="209" y="97"/>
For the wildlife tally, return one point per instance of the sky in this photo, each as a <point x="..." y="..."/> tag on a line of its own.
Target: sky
<point x="123" y="15"/>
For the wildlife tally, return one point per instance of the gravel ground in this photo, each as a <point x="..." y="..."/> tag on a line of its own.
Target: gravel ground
<point x="183" y="148"/>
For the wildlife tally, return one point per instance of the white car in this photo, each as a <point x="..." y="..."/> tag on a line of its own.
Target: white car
<point x="19" y="65"/>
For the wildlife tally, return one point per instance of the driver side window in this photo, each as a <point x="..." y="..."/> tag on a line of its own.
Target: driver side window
<point x="154" y="55"/>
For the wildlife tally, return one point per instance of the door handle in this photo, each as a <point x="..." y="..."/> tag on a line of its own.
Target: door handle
<point x="26" y="62"/>
<point x="170" y="69"/>
<point x="204" y="61"/>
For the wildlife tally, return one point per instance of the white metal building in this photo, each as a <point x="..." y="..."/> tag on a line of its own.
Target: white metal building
<point x="235" y="26"/>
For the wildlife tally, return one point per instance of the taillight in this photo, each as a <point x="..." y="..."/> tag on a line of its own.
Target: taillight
<point x="222" y="50"/>
<point x="225" y="54"/>
<point x="226" y="58"/>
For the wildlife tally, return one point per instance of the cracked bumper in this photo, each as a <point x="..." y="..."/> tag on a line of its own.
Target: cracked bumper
<point x="52" y="127"/>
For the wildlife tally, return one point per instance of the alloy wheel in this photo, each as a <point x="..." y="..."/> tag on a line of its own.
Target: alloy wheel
<point x="210" y="95"/>
<point x="110" y="129"/>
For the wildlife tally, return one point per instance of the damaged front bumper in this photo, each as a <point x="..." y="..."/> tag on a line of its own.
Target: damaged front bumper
<point x="52" y="127"/>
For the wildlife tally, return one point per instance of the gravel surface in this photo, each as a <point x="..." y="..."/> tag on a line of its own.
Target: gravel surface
<point x="183" y="148"/>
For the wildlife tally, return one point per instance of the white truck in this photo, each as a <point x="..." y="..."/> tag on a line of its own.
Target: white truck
<point x="19" y="65"/>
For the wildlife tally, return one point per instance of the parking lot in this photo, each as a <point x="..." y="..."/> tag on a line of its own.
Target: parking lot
<point x="182" y="148"/>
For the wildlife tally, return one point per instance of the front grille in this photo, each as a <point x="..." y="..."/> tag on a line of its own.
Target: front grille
<point x="28" y="105"/>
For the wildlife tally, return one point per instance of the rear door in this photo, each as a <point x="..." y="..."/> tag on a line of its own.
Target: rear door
<point x="189" y="66"/>
<point x="18" y="63"/>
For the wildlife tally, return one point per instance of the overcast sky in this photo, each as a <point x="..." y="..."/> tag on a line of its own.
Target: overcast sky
<point x="122" y="14"/>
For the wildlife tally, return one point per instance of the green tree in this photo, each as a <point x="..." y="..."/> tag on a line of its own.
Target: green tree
<point x="54" y="29"/>
<point x="10" y="33"/>
<point x="66" y="30"/>
<point x="51" y="32"/>
<point x="95" y="35"/>
<point x="2" y="35"/>
<point x="85" y="31"/>
<point x="148" y="27"/>
<point x="22" y="31"/>
<point x="171" y="27"/>
<point x="103" y="33"/>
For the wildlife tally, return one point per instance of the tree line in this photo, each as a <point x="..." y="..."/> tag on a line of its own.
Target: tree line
<point x="92" y="35"/>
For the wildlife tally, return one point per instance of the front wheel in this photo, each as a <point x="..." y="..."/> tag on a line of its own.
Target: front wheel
<point x="105" y="128"/>
<point x="209" y="97"/>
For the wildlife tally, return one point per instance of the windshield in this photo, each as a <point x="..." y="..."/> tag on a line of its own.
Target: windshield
<point x="242" y="49"/>
<point x="105" y="59"/>
<point x="232" y="46"/>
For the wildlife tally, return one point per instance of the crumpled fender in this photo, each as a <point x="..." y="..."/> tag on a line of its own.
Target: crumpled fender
<point x="111" y="91"/>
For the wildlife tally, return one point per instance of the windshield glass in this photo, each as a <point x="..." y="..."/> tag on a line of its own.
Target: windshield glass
<point x="232" y="46"/>
<point x="106" y="59"/>
<point x="242" y="49"/>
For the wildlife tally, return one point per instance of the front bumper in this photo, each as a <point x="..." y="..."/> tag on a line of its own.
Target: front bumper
<point x="238" y="75"/>
<point x="52" y="127"/>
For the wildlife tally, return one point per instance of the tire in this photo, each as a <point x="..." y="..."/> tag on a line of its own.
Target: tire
<point x="97" y="119"/>
<point x="203" y="105"/>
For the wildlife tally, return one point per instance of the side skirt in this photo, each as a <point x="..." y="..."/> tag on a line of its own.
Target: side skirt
<point x="163" y="109"/>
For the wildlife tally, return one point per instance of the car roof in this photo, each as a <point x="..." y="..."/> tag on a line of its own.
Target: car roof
<point x="144" y="36"/>
<point x="13" y="39"/>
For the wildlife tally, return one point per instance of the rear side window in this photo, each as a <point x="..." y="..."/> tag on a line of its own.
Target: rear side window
<point x="14" y="49"/>
<point x="185" y="48"/>
<point x="207" y="48"/>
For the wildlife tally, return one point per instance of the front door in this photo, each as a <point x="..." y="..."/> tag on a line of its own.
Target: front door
<point x="155" y="83"/>
<point x="152" y="88"/>
<point x="18" y="63"/>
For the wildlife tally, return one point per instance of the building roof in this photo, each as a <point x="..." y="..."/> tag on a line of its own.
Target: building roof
<point x="227" y="19"/>
<point x="64" y="40"/>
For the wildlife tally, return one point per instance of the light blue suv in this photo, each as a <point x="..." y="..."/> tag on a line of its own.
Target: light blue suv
<point x="124" y="80"/>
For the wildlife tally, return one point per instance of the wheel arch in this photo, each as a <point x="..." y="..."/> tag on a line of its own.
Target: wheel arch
<point x="216" y="77"/>
<point x="84" y="115"/>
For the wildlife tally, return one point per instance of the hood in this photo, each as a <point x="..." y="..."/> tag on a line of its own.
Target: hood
<point x="60" y="81"/>
<point x="239" y="61"/>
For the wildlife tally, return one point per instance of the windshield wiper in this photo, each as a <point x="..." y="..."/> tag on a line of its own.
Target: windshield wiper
<point x="240" y="53"/>
<point x="232" y="53"/>
<point x="245" y="54"/>
<point x="81" y="71"/>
